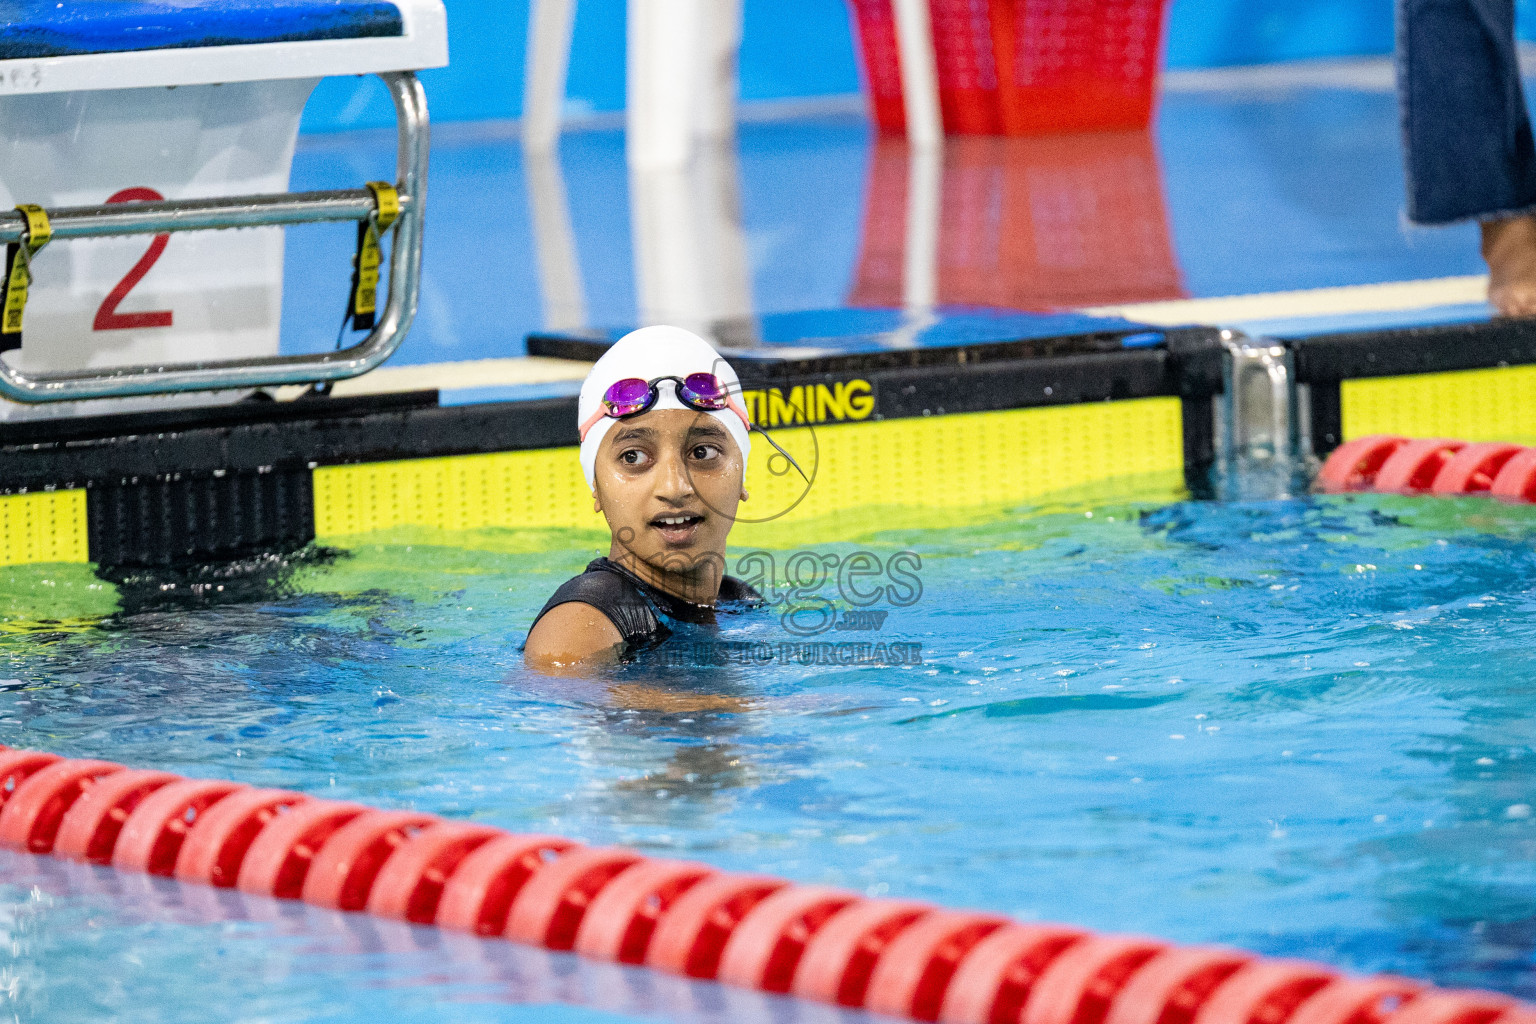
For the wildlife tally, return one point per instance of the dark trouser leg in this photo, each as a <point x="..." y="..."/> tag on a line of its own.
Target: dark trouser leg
<point x="1466" y="134"/>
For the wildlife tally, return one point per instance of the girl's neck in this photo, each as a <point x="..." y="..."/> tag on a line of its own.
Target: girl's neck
<point x="699" y="584"/>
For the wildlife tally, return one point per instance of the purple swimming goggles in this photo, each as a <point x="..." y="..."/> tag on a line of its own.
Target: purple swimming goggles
<point x="704" y="392"/>
<point x="633" y="396"/>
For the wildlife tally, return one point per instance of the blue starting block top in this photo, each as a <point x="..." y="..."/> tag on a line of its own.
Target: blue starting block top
<point x="51" y="28"/>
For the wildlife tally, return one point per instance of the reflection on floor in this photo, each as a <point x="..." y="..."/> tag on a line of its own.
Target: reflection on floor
<point x="1250" y="184"/>
<point x="1029" y="223"/>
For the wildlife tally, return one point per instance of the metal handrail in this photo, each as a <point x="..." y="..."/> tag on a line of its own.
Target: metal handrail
<point x="254" y="211"/>
<point x="200" y="214"/>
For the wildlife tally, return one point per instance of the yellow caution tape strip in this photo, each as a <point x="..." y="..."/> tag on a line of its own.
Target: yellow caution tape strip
<point x="370" y="257"/>
<point x="18" y="272"/>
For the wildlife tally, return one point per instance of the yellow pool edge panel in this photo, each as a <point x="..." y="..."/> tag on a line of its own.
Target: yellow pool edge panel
<point x="1496" y="404"/>
<point x="895" y="473"/>
<point x="44" y="526"/>
<point x="943" y="464"/>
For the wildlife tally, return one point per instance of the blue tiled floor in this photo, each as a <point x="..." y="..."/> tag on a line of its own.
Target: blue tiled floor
<point x="1264" y="192"/>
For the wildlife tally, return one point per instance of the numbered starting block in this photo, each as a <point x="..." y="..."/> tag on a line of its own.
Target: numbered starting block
<point x="133" y="131"/>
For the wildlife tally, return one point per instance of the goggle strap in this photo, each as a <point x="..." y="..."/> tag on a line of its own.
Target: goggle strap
<point x="593" y="420"/>
<point x="737" y="408"/>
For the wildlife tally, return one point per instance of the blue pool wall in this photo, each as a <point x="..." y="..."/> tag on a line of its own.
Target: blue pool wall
<point x="486" y="42"/>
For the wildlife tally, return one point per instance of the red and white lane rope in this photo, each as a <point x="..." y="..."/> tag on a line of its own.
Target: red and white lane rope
<point x="894" y="957"/>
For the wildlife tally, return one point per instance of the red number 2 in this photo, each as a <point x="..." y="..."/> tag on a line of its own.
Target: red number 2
<point x="107" y="316"/>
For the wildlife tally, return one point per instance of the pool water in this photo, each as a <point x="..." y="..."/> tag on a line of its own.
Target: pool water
<point x="1301" y="727"/>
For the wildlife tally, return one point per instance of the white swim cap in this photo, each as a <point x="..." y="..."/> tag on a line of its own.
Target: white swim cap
<point x="649" y="353"/>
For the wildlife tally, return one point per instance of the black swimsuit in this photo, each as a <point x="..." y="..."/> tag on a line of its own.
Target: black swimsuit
<point x="636" y="608"/>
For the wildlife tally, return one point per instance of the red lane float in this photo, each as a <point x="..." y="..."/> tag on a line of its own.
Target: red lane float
<point x="281" y="855"/>
<point x="1363" y="1001"/>
<point x="995" y="981"/>
<point x="765" y="949"/>
<point x="690" y="938"/>
<point x="911" y="976"/>
<point x="1081" y="985"/>
<point x="1263" y="992"/>
<point x="1173" y="985"/>
<point x="837" y="964"/>
<point x="90" y="828"/>
<point x="1473" y="469"/>
<point x="478" y="896"/>
<point x="217" y="844"/>
<point x="889" y="956"/>
<point x="1388" y="464"/>
<point x="549" y="909"/>
<point x="1517" y="480"/>
<point x="1354" y="464"/>
<point x="410" y="884"/>
<point x="1413" y="467"/>
<point x="346" y="866"/>
<point x="152" y="836"/>
<point x="31" y="817"/>
<point x="621" y="919"/>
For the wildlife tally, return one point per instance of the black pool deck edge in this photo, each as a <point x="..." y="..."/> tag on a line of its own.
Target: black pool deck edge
<point x="198" y="485"/>
<point x="1323" y="361"/>
<point x="263" y="435"/>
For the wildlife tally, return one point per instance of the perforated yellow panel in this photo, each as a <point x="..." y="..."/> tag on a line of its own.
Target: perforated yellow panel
<point x="940" y="462"/>
<point x="461" y="492"/>
<point x="971" y="459"/>
<point x="47" y="526"/>
<point x="1471" y="405"/>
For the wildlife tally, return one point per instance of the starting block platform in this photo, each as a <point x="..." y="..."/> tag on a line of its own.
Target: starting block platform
<point x="850" y="338"/>
<point x="134" y="118"/>
<point x="85" y="47"/>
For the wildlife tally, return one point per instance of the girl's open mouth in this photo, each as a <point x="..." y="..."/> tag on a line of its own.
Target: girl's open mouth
<point x="677" y="530"/>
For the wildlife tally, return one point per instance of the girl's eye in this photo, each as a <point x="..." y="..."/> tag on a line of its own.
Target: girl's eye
<point x="632" y="457"/>
<point x="705" y="452"/>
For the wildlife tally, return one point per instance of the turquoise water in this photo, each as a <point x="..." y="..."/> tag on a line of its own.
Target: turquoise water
<point x="1301" y="727"/>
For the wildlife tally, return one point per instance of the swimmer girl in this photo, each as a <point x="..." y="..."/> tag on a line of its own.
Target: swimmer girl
<point x="664" y="446"/>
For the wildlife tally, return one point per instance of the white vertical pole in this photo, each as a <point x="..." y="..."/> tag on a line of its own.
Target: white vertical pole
<point x="925" y="194"/>
<point x="691" y="265"/>
<point x="669" y="252"/>
<point x="662" y="77"/>
<point x="565" y="303"/>
<point x="718" y="58"/>
<point x="919" y="74"/>
<point x="925" y="142"/>
<point x="548" y="60"/>
<point x="717" y="201"/>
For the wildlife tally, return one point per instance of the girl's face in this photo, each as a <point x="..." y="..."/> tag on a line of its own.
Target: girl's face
<point x="668" y="481"/>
